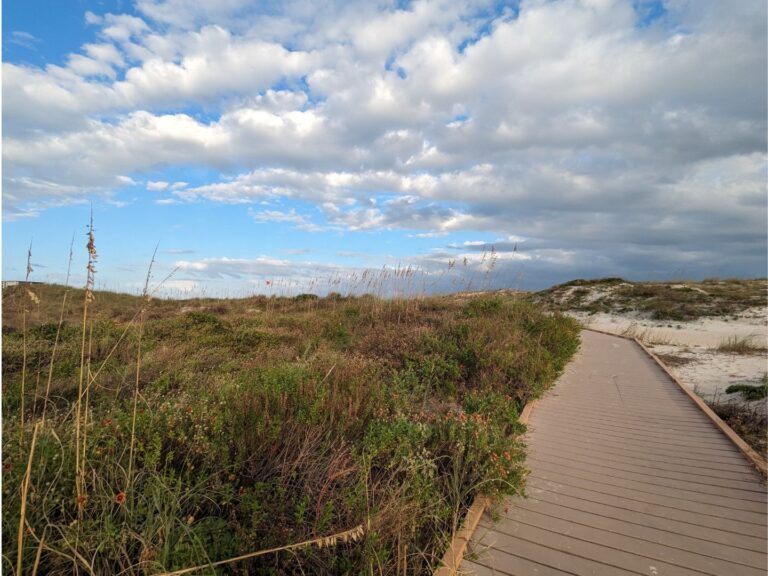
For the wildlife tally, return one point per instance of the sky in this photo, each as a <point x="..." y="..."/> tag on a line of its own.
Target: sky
<point x="300" y="146"/>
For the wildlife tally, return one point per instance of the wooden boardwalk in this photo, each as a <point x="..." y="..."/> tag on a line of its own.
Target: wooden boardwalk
<point x="627" y="476"/>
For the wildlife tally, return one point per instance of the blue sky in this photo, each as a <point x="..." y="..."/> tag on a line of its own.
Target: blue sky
<point x="257" y="142"/>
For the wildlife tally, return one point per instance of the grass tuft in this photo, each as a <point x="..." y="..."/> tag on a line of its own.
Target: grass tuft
<point x="740" y="345"/>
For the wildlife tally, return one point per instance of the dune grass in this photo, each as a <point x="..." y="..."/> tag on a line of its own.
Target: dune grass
<point x="161" y="435"/>
<point x="740" y="345"/>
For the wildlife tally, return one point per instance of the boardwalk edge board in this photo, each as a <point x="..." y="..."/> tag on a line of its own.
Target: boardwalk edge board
<point x="455" y="553"/>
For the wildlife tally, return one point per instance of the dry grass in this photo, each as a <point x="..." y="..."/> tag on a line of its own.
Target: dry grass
<point x="674" y="361"/>
<point x="646" y="335"/>
<point x="748" y="420"/>
<point x="740" y="345"/>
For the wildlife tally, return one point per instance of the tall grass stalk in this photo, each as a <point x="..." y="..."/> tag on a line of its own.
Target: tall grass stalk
<point x="24" y="493"/>
<point x="87" y="401"/>
<point x="58" y="329"/>
<point x="24" y="344"/>
<point x="91" y="270"/>
<point x="145" y="302"/>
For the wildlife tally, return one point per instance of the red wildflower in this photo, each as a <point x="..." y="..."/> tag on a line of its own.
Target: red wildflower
<point x="120" y="497"/>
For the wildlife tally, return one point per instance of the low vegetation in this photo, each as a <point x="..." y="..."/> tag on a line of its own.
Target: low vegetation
<point x="750" y="392"/>
<point x="142" y="436"/>
<point x="747" y="414"/>
<point x="673" y="301"/>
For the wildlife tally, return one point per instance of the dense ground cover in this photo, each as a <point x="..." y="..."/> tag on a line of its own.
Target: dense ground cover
<point x="169" y="434"/>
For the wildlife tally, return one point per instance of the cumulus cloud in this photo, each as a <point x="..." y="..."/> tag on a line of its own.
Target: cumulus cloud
<point x="603" y="132"/>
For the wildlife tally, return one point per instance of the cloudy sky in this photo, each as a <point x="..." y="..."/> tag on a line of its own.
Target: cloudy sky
<point x="266" y="142"/>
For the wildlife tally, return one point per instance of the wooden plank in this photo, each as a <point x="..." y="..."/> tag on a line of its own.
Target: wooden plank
<point x="617" y="452"/>
<point x="540" y="545"/>
<point x="708" y="534"/>
<point x="660" y="510"/>
<point x="694" y="422"/>
<point x="622" y="523"/>
<point x="754" y="518"/>
<point x="587" y="438"/>
<point x="644" y="428"/>
<point x="511" y="566"/>
<point x="650" y="467"/>
<point x="662" y="551"/>
<point x="499" y="550"/>
<point x="703" y="446"/>
<point x="689" y="482"/>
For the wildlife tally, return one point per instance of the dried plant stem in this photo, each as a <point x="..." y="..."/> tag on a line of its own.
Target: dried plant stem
<point x="24" y="345"/>
<point x="84" y="369"/>
<point x="145" y="303"/>
<point x="24" y="492"/>
<point x="58" y="331"/>
<point x="135" y="406"/>
<point x="39" y="553"/>
<point x="78" y="412"/>
<point x="352" y="535"/>
<point x="23" y="373"/>
<point x="87" y="402"/>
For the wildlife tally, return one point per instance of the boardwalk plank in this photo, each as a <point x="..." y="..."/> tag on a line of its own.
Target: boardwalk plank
<point x="656" y="469"/>
<point x="661" y="551"/>
<point x="619" y="510"/>
<point x="638" y="527"/>
<point x="661" y="510"/>
<point x="539" y="545"/>
<point x="691" y="495"/>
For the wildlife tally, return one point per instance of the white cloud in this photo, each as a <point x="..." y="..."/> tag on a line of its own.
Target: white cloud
<point x="24" y="39"/>
<point x="157" y="185"/>
<point x="568" y="123"/>
<point x="298" y="221"/>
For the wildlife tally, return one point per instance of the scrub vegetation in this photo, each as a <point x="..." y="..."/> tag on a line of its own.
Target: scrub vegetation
<point x="143" y="436"/>
<point x="676" y="301"/>
<point x="747" y="414"/>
